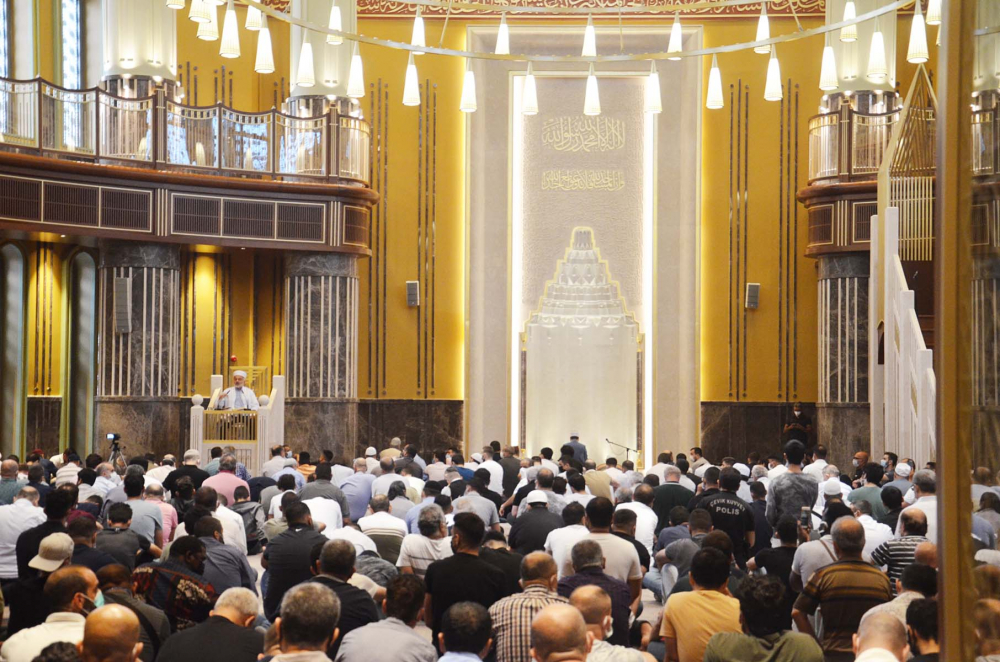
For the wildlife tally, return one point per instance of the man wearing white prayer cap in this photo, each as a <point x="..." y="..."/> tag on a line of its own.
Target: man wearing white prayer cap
<point x="371" y="460"/>
<point x="239" y="395"/>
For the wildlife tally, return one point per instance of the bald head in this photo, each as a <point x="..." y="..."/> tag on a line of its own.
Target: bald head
<point x="111" y="634"/>
<point x="848" y="537"/>
<point x="926" y="554"/>
<point x="8" y="469"/>
<point x="538" y="568"/>
<point x="593" y="602"/>
<point x="883" y="631"/>
<point x="559" y="632"/>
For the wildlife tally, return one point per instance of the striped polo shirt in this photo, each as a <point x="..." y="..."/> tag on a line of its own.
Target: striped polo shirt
<point x="895" y="555"/>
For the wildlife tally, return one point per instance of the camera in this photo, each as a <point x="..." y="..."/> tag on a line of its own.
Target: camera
<point x="114" y="436"/>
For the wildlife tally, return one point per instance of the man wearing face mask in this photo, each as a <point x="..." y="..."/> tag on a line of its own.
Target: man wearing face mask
<point x="799" y="426"/>
<point x="859" y="462"/>
<point x="595" y="605"/>
<point x="73" y="593"/>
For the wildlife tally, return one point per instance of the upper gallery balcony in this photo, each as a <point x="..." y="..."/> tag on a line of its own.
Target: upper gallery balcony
<point x="210" y="174"/>
<point x="848" y="138"/>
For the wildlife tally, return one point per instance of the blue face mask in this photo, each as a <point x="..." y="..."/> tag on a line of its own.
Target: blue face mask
<point x="96" y="603"/>
<point x="885" y="463"/>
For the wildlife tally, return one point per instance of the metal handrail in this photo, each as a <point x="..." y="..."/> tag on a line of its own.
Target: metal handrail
<point x="838" y="153"/>
<point x="160" y="133"/>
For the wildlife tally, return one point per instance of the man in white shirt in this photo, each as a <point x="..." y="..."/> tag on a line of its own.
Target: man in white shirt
<point x="495" y="469"/>
<point x="239" y="395"/>
<point x="875" y="533"/>
<point x="659" y="469"/>
<point x="15" y="519"/>
<point x="831" y="479"/>
<point x="578" y="490"/>
<point x="387" y="478"/>
<point x="642" y="505"/>
<point x="325" y="511"/>
<point x="546" y="455"/>
<point x="924" y="489"/>
<point x="67" y="473"/>
<point x="621" y="561"/>
<point x="433" y="543"/>
<point x="775" y="467"/>
<point x="815" y="468"/>
<point x="72" y="592"/>
<point x="275" y="464"/>
<point x="107" y="479"/>
<point x="380" y="519"/>
<point x="233" y="529"/>
<point x="559" y="543"/>
<point x="371" y="459"/>
<point x="361" y="542"/>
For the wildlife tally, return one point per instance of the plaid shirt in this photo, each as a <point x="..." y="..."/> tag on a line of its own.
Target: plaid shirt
<point x="512" y="618"/>
<point x="183" y="595"/>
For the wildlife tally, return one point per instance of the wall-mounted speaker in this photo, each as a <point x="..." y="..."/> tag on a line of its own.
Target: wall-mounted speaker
<point x="123" y="305"/>
<point x="753" y="295"/>
<point x="412" y="293"/>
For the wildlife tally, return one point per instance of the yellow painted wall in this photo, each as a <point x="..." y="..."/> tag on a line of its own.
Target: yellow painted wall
<point x="44" y="323"/>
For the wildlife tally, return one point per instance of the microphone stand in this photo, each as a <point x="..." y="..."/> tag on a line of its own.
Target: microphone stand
<point x="625" y="448"/>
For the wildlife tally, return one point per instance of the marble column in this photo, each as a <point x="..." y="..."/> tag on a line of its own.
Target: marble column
<point x="321" y="328"/>
<point x="842" y="407"/>
<point x="984" y="358"/>
<point x="138" y="346"/>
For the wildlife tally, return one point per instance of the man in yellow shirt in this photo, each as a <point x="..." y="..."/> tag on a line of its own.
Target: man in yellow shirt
<point x="393" y="451"/>
<point x="690" y="619"/>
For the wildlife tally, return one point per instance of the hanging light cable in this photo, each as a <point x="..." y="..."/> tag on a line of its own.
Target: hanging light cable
<point x="772" y="86"/>
<point x="230" y="46"/>
<point x="849" y="33"/>
<point x="264" y="64"/>
<point x="209" y="31"/>
<point x="254" y="19"/>
<point x="828" y="80"/>
<point x="418" y="38"/>
<point x="592" y="99"/>
<point x="335" y="23"/>
<point x="763" y="30"/>
<point x="654" y="104"/>
<point x="356" y="77"/>
<point x="714" y="100"/>
<point x="411" y="86"/>
<point x="199" y="12"/>
<point x="503" y="37"/>
<point x="306" y="74"/>
<point x="468" y="102"/>
<point x="878" y="70"/>
<point x="589" y="38"/>
<point x="916" y="52"/>
<point x="529" y="94"/>
<point x="674" y="45"/>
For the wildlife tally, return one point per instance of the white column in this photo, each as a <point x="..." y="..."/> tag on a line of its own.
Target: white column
<point x="140" y="38"/>
<point x="332" y="64"/>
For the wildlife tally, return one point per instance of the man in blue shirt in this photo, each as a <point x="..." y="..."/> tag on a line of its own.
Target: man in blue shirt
<point x="358" y="489"/>
<point x="432" y="489"/>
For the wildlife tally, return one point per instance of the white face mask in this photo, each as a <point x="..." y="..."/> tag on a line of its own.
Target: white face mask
<point x="854" y="462"/>
<point x="797" y="413"/>
<point x="609" y="628"/>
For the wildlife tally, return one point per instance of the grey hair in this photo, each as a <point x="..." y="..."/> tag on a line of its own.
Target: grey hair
<point x="192" y="454"/>
<point x="831" y="471"/>
<point x="532" y="473"/>
<point x="360" y="463"/>
<point x="135" y="470"/>
<point x="242" y="600"/>
<point x="848" y="535"/>
<point x="672" y="470"/>
<point x="379" y="503"/>
<point x="585" y="554"/>
<point x="227" y="462"/>
<point x="862" y="507"/>
<point x="154" y="490"/>
<point x="926" y="481"/>
<point x="309" y="615"/>
<point x="623" y="495"/>
<point x="105" y="469"/>
<point x="759" y="471"/>
<point x="430" y="520"/>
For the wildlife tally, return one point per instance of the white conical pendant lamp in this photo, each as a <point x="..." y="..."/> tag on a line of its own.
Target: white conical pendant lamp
<point x="772" y="86"/>
<point x="200" y="11"/>
<point x="306" y="75"/>
<point x="654" y="104"/>
<point x="529" y="94"/>
<point x="418" y="38"/>
<point x="850" y="32"/>
<point x="828" y="80"/>
<point x="675" y="44"/>
<point x="763" y="30"/>
<point x="254" y="19"/>
<point x="356" y="78"/>
<point x="503" y="37"/>
<point x="592" y="98"/>
<point x="264" y="64"/>
<point x="335" y="23"/>
<point x="230" y="47"/>
<point x="714" y="100"/>
<point x="589" y="39"/>
<point x="175" y="4"/>
<point x="916" y="53"/>
<point x="878" y="70"/>
<point x="933" y="12"/>
<point x="209" y="31"/>
<point x="468" y="102"/>
<point x="411" y="86"/>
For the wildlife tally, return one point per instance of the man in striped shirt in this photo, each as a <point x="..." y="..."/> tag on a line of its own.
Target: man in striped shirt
<point x="512" y="616"/>
<point x="845" y="590"/>
<point x="895" y="555"/>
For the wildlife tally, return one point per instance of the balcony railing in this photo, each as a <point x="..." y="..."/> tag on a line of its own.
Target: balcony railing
<point x="984" y="146"/>
<point x="848" y="146"/>
<point x="159" y="133"/>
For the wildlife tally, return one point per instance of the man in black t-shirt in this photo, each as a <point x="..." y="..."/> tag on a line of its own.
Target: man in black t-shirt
<point x="777" y="562"/>
<point x="731" y="514"/>
<point x="463" y="577"/>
